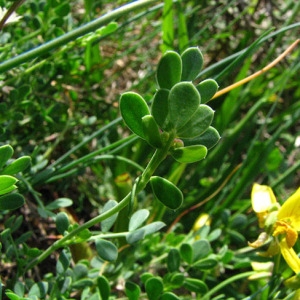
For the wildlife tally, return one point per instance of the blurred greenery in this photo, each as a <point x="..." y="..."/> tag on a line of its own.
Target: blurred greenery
<point x="63" y="66"/>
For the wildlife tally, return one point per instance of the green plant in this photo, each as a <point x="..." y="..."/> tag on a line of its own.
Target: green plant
<point x="8" y="199"/>
<point x="179" y="108"/>
<point x="96" y="223"/>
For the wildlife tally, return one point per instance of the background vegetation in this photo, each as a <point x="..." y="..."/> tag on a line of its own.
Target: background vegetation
<point x="59" y="106"/>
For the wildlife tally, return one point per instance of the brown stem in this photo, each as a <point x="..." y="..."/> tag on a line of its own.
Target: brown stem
<point x="205" y="200"/>
<point x="9" y="12"/>
<point x="256" y="74"/>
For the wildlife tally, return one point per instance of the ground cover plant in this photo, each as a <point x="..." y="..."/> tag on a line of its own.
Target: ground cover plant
<point x="131" y="168"/>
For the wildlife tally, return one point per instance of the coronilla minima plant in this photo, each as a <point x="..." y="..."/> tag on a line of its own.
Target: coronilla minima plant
<point x="178" y="122"/>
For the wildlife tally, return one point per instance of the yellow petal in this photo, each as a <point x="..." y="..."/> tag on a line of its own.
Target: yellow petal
<point x="262" y="266"/>
<point x="291" y="235"/>
<point x="262" y="216"/>
<point x="262" y="198"/>
<point x="262" y="239"/>
<point x="290" y="256"/>
<point x="203" y="219"/>
<point x="263" y="270"/>
<point x="290" y="210"/>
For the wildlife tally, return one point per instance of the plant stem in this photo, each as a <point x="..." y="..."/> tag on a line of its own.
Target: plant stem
<point x="94" y="160"/>
<point x="112" y="235"/>
<point x="33" y="192"/>
<point x="54" y="168"/>
<point x="286" y="174"/>
<point x="91" y="155"/>
<point x="74" y="34"/>
<point x="10" y="11"/>
<point x="63" y="241"/>
<point x="226" y="282"/>
<point x="230" y="58"/>
<point x="157" y="158"/>
<point x="258" y="73"/>
<point x="85" y="141"/>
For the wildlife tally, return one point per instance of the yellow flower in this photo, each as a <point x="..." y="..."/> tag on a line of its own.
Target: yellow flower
<point x="290" y="256"/>
<point x="263" y="202"/>
<point x="284" y="224"/>
<point x="202" y="220"/>
<point x="287" y="227"/>
<point x="290" y="210"/>
<point x="262" y="198"/>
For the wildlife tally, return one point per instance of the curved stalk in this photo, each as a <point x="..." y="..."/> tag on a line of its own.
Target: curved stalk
<point x="226" y="282"/>
<point x="157" y="158"/>
<point x="258" y="73"/>
<point x="62" y="174"/>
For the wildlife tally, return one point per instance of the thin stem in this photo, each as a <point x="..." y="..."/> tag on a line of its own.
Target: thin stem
<point x="34" y="193"/>
<point x="287" y="173"/>
<point x="85" y="141"/>
<point x="63" y="241"/>
<point x="155" y="161"/>
<point x="108" y="235"/>
<point x="9" y="12"/>
<point x="226" y="282"/>
<point x="74" y="34"/>
<point x="95" y="159"/>
<point x="52" y="170"/>
<point x="260" y="72"/>
<point x="185" y="212"/>
<point x="232" y="57"/>
<point x="90" y="155"/>
<point x="157" y="158"/>
<point x="58" y="140"/>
